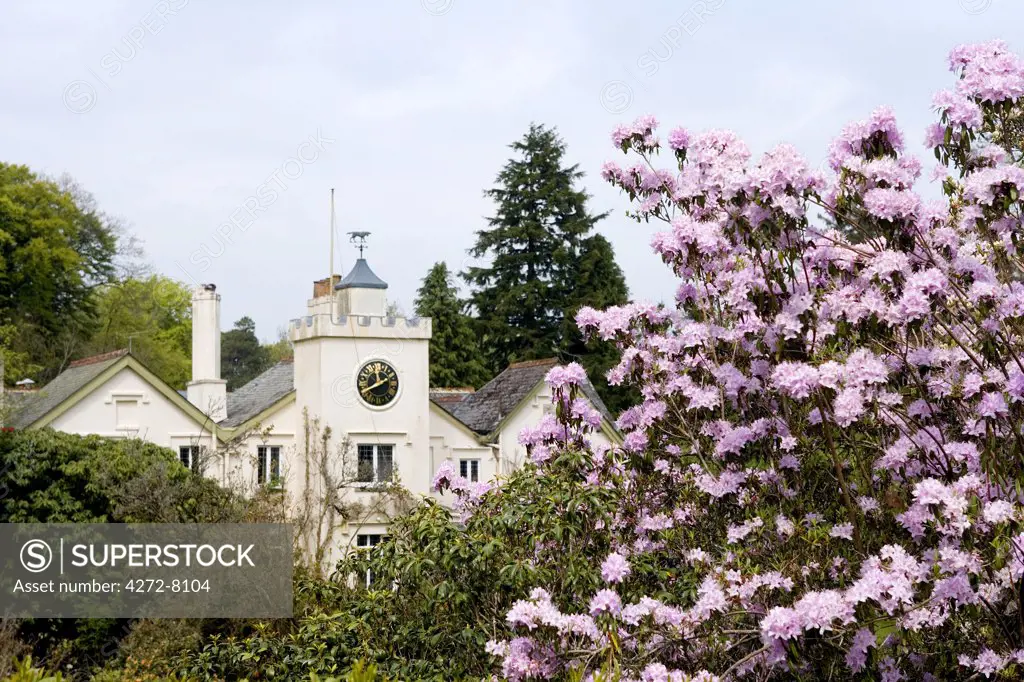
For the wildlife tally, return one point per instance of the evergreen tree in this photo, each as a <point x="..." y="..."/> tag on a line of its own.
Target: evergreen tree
<point x="455" y="358"/>
<point x="596" y="281"/>
<point x="242" y="358"/>
<point x="544" y="263"/>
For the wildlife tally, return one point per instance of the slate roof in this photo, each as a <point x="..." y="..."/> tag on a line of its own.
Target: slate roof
<point x="362" y="277"/>
<point x="15" y="400"/>
<point x="591" y="393"/>
<point x="483" y="410"/>
<point x="450" y="395"/>
<point x="248" y="401"/>
<point x="79" y="373"/>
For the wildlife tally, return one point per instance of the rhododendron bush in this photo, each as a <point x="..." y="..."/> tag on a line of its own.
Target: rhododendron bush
<point x="823" y="480"/>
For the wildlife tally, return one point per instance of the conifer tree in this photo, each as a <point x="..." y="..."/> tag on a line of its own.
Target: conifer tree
<point x="242" y="358"/>
<point x="598" y="282"/>
<point x="544" y="262"/>
<point x="454" y="353"/>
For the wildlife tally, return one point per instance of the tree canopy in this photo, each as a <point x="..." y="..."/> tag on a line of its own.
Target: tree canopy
<point x="280" y="349"/>
<point x="455" y="355"/>
<point x="530" y="245"/>
<point x="53" y="477"/>
<point x="55" y="250"/>
<point x="152" y="317"/>
<point x="242" y="357"/>
<point x="543" y="260"/>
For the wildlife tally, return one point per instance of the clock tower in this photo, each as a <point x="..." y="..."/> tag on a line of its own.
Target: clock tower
<point x="366" y="375"/>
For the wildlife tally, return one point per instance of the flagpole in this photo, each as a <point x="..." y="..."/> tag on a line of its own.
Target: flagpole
<point x="330" y="273"/>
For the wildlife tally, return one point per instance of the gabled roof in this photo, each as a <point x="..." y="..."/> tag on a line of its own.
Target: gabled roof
<point x="483" y="411"/>
<point x="260" y="394"/>
<point x="80" y="379"/>
<point x="14" y="400"/>
<point x="450" y="395"/>
<point x="257" y="396"/>
<point x="36" y="405"/>
<point x="436" y="409"/>
<point x="361" y="277"/>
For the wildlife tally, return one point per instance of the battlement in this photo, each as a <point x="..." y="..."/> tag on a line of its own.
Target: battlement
<point x="359" y="326"/>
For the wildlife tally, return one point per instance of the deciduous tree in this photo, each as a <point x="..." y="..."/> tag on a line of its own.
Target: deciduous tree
<point x="152" y="317"/>
<point x="54" y="253"/>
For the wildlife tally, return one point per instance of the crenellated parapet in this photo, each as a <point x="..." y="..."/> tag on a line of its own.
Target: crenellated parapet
<point x="359" y="326"/>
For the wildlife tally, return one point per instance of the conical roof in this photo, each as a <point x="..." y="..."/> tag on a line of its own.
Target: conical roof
<point x="361" y="277"/>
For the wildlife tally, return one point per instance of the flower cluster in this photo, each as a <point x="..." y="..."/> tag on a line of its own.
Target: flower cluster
<point x="824" y="471"/>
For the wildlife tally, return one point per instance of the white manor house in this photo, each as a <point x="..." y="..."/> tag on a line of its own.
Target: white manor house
<point x="357" y="370"/>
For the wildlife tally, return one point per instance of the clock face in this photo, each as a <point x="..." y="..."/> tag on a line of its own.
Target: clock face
<point x="377" y="383"/>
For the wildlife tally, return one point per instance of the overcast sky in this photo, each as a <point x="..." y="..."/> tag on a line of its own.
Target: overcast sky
<point x="174" y="113"/>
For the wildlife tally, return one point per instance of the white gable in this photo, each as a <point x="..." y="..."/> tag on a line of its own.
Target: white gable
<point x="530" y="411"/>
<point x="281" y="429"/>
<point x="128" y="406"/>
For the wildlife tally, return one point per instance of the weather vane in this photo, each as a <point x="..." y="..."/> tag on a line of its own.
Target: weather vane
<point x="359" y="239"/>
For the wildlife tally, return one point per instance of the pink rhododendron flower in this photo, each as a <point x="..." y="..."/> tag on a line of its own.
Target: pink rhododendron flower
<point x="838" y="357"/>
<point x="606" y="601"/>
<point x="561" y="376"/>
<point x="614" y="568"/>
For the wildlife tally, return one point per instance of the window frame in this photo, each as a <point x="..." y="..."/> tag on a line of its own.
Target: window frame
<point x="370" y="544"/>
<point x="375" y="461"/>
<point x="266" y="475"/>
<point x="469" y="469"/>
<point x="193" y="457"/>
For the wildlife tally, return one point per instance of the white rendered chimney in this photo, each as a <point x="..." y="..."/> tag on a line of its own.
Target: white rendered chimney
<point x="207" y="390"/>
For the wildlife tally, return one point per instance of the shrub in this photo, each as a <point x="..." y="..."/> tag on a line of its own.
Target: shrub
<point x="53" y="477"/>
<point x="822" y="480"/>
<point x="24" y="671"/>
<point x="824" y="475"/>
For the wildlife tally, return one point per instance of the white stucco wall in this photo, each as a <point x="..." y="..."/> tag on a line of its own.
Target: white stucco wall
<point x="127" y="406"/>
<point x="361" y="302"/>
<point x="451" y="441"/>
<point x="328" y="357"/>
<point x="283" y="429"/>
<point x="530" y="412"/>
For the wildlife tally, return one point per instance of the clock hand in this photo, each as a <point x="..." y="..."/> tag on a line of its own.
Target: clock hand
<point x="379" y="383"/>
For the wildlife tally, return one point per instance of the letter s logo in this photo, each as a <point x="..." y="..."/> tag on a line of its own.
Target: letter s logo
<point x="36" y="556"/>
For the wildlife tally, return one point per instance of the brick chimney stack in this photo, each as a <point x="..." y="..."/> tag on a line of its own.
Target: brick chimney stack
<point x="323" y="287"/>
